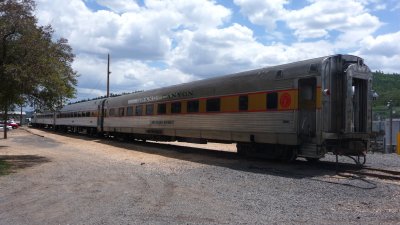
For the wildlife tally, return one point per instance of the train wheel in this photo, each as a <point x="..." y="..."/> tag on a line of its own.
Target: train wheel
<point x="290" y="154"/>
<point x="312" y="160"/>
<point x="242" y="149"/>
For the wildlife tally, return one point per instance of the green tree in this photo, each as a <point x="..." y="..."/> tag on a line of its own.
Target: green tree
<point x="34" y="68"/>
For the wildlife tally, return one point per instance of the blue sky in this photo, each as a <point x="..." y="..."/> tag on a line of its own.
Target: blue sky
<point x="159" y="43"/>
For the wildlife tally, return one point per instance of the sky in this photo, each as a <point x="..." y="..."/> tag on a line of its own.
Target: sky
<point x="158" y="43"/>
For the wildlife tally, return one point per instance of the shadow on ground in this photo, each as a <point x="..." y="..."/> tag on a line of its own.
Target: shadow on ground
<point x="298" y="169"/>
<point x="23" y="161"/>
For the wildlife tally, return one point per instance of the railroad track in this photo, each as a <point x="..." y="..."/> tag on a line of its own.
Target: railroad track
<point x="382" y="174"/>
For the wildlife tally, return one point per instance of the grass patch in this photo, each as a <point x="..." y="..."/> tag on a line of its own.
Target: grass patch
<point x="4" y="167"/>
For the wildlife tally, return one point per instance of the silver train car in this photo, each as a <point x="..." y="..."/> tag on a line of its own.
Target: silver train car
<point x="301" y="109"/>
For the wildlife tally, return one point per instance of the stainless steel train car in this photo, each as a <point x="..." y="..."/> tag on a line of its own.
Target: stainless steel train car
<point x="301" y="109"/>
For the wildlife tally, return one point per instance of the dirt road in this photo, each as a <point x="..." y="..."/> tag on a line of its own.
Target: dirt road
<point x="81" y="180"/>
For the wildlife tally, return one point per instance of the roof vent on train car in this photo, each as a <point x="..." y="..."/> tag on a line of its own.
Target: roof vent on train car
<point x="313" y="68"/>
<point x="279" y="74"/>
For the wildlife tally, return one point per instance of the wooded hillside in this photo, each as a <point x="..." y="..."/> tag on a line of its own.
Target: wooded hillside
<point x="388" y="88"/>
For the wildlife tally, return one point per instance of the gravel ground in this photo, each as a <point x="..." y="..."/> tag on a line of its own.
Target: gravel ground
<point x="80" y="180"/>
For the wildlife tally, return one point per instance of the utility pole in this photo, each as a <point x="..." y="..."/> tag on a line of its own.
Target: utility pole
<point x="20" y="117"/>
<point x="390" y="106"/>
<point x="108" y="75"/>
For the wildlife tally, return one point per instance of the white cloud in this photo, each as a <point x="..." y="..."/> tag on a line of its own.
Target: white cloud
<point x="234" y="49"/>
<point x="382" y="52"/>
<point x="144" y="33"/>
<point x="386" y="45"/>
<point x="126" y="76"/>
<point x="120" y="6"/>
<point x="348" y="17"/>
<point x="264" y="12"/>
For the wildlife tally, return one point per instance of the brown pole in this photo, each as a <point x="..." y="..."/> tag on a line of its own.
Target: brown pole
<point x="108" y="75"/>
<point x="20" y="117"/>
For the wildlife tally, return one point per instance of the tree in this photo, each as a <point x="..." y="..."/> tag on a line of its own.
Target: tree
<point x="33" y="68"/>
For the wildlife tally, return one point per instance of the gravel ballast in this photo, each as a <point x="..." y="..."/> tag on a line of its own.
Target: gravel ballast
<point x="68" y="179"/>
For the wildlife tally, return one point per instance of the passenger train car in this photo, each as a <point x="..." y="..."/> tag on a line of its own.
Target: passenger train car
<point x="301" y="109"/>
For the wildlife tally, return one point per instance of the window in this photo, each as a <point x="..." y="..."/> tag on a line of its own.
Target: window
<point x="162" y="108"/>
<point x="149" y="109"/>
<point x="272" y="100"/>
<point x="121" y="111"/>
<point x="213" y="104"/>
<point x="138" y="110"/>
<point x="313" y="68"/>
<point x="243" y="102"/>
<point x="111" y="112"/>
<point x="193" y="106"/>
<point x="129" y="111"/>
<point x="87" y="114"/>
<point x="176" y="107"/>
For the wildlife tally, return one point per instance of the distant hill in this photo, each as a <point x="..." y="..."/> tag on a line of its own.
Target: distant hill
<point x="387" y="85"/>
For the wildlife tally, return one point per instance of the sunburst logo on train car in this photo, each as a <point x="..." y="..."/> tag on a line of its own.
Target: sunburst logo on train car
<point x="285" y="101"/>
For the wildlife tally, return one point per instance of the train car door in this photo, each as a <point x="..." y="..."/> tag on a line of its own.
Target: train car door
<point x="307" y="108"/>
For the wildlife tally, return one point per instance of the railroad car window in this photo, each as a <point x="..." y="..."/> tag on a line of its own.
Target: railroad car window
<point x="111" y="112"/>
<point x="149" y="109"/>
<point x="162" y="108"/>
<point x="272" y="100"/>
<point x="193" y="106"/>
<point x="176" y="107"/>
<point x="243" y="102"/>
<point x="129" y="111"/>
<point x="138" y="110"/>
<point x="307" y="93"/>
<point x="213" y="104"/>
<point x="313" y="68"/>
<point x="121" y="111"/>
<point x="87" y="114"/>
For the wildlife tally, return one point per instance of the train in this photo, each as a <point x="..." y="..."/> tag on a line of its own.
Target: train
<point x="301" y="109"/>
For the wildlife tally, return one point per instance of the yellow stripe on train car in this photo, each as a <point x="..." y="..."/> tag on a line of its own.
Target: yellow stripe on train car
<point x="398" y="144"/>
<point x="257" y="102"/>
<point x="230" y="104"/>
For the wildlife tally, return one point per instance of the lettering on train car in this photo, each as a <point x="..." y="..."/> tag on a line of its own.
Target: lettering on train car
<point x="170" y="96"/>
<point x="162" y="122"/>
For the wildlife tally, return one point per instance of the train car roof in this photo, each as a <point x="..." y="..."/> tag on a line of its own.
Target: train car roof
<point x="82" y="106"/>
<point x="289" y="71"/>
